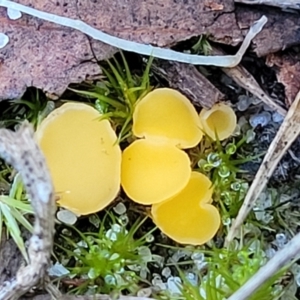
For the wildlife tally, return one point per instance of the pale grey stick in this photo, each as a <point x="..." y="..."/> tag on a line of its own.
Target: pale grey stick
<point x="279" y="260"/>
<point x="20" y="150"/>
<point x="244" y="79"/>
<point x="287" y="133"/>
<point x="293" y="4"/>
<point x="219" y="61"/>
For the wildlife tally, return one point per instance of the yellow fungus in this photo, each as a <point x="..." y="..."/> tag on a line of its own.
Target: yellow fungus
<point x="165" y="114"/>
<point x="83" y="158"/>
<point x="189" y="217"/>
<point x="153" y="171"/>
<point x="220" y="120"/>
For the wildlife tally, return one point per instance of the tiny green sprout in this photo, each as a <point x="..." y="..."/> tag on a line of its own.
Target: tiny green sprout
<point x="117" y="94"/>
<point x="220" y="162"/>
<point x="13" y="208"/>
<point x="111" y="260"/>
<point x="202" y="46"/>
<point x="225" y="271"/>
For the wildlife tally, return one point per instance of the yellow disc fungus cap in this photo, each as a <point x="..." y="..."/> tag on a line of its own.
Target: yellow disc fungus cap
<point x="153" y="171"/>
<point x="166" y="114"/>
<point x="220" y="119"/>
<point x="189" y="217"/>
<point x="83" y="157"/>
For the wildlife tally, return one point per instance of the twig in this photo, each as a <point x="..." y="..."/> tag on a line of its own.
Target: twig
<point x="20" y="150"/>
<point x="293" y="4"/>
<point x="244" y="79"/>
<point x="189" y="81"/>
<point x="219" y="61"/>
<point x="287" y="133"/>
<point x="279" y="260"/>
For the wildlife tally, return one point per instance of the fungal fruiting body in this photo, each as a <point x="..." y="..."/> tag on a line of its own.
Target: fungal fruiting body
<point x="219" y="122"/>
<point x="83" y="157"/>
<point x="165" y="114"/>
<point x="153" y="171"/>
<point x="189" y="217"/>
<point x="155" y="167"/>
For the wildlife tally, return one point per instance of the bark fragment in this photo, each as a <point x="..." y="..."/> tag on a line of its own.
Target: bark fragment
<point x="288" y="72"/>
<point x="188" y="80"/>
<point x="282" y="30"/>
<point x="50" y="57"/>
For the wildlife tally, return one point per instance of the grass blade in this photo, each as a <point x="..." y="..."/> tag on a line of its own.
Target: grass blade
<point x="13" y="229"/>
<point x="21" y="219"/>
<point x="18" y="204"/>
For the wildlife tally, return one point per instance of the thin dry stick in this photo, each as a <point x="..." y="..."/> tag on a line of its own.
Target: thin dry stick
<point x="21" y="151"/>
<point x="219" y="61"/>
<point x="244" y="79"/>
<point x="287" y="133"/>
<point x="294" y="4"/>
<point x="279" y="260"/>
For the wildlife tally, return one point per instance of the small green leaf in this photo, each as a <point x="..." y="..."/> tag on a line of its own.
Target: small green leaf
<point x="127" y="70"/>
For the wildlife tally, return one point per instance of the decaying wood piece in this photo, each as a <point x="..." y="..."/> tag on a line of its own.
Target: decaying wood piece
<point x="287" y="72"/>
<point x="244" y="79"/>
<point x="102" y="297"/>
<point x="10" y="258"/>
<point x="282" y="258"/>
<point x="21" y="151"/>
<point x="144" y="49"/>
<point x="293" y="4"/>
<point x="287" y="133"/>
<point x="188" y="80"/>
<point x="281" y="31"/>
<point x="45" y="56"/>
<point x="59" y="55"/>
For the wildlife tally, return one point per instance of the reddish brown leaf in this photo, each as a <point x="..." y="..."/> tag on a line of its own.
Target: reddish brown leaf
<point x="288" y="73"/>
<point x="49" y="56"/>
<point x="281" y="31"/>
<point x="43" y="55"/>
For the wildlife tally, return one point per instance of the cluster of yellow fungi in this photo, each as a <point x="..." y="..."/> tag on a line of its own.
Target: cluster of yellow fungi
<point x="88" y="167"/>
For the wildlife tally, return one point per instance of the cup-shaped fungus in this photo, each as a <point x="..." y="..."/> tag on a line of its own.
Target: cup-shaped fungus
<point x="219" y="121"/>
<point x="189" y="217"/>
<point x="154" y="171"/>
<point x="166" y="114"/>
<point x="83" y="157"/>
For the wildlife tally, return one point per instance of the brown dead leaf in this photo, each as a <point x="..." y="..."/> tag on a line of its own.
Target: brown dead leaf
<point x="49" y="56"/>
<point x="161" y="22"/>
<point x="280" y="32"/>
<point x="288" y="73"/>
